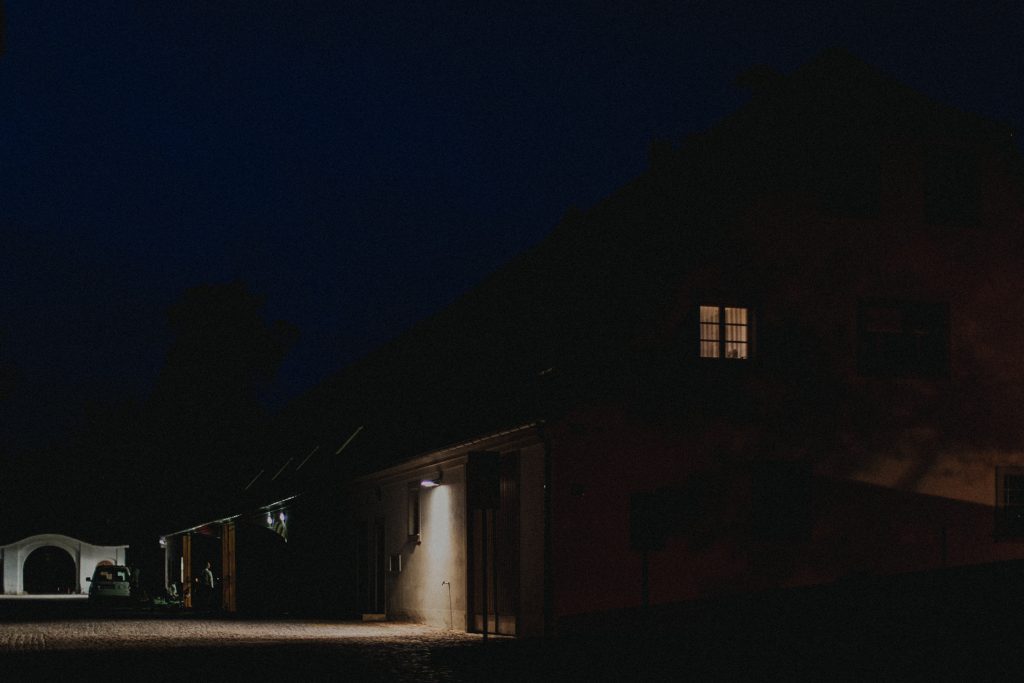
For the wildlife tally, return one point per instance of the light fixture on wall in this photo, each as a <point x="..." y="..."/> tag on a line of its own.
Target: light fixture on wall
<point x="431" y="482"/>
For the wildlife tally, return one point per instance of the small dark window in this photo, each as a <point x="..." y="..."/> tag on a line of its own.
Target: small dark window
<point x="902" y="339"/>
<point x="952" y="190"/>
<point x="413" y="509"/>
<point x="1010" y="503"/>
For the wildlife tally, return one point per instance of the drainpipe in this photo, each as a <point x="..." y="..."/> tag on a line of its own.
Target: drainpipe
<point x="549" y="602"/>
<point x="483" y="572"/>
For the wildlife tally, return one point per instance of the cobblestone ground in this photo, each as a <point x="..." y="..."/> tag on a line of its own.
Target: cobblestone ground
<point x="185" y="647"/>
<point x="843" y="639"/>
<point x="165" y="648"/>
<point x="170" y="634"/>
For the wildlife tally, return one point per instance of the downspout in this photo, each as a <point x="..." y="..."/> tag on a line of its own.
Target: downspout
<point x="549" y="593"/>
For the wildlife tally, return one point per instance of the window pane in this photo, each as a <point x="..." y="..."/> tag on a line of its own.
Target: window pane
<point x="735" y="350"/>
<point x="708" y="349"/>
<point x="1014" y="481"/>
<point x="735" y="316"/>
<point x="736" y="333"/>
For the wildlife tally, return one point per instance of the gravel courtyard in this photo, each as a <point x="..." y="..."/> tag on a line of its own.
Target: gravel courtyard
<point x="165" y="634"/>
<point x="173" y="648"/>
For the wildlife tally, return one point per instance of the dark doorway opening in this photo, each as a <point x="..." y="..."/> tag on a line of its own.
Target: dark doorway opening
<point x="49" y="570"/>
<point x="371" y="559"/>
<point x="493" y="540"/>
<point x="266" y="585"/>
<point x="205" y="547"/>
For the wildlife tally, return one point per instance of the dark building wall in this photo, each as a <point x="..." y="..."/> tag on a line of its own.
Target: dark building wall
<point x="731" y="525"/>
<point x="874" y="238"/>
<point x="885" y="375"/>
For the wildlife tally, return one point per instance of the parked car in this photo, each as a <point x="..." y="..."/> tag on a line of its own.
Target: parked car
<point x="110" y="584"/>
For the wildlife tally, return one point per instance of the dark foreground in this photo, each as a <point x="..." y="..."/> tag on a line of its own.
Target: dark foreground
<point x="951" y="626"/>
<point x="752" y="654"/>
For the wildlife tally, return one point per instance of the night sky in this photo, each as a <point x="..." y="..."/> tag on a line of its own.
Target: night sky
<point x="360" y="169"/>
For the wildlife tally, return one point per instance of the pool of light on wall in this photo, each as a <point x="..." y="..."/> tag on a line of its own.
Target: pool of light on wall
<point x="440" y="534"/>
<point x="438" y="520"/>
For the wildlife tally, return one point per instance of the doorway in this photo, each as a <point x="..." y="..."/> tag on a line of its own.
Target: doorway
<point x="494" y="552"/>
<point x="372" y="579"/>
<point x="49" y="571"/>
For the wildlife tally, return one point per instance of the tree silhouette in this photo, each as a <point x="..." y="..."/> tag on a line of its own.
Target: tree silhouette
<point x="223" y="352"/>
<point x="205" y="412"/>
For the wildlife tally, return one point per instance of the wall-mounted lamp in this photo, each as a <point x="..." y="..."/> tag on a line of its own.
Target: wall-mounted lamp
<point x="432" y="482"/>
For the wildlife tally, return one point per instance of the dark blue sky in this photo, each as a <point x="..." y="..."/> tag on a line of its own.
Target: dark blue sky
<point x="361" y="168"/>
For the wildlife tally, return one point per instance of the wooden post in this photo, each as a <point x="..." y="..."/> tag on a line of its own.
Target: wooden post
<point x="483" y="567"/>
<point x="227" y="568"/>
<point x="186" y="570"/>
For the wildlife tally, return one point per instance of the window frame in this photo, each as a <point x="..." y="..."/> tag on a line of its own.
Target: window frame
<point x="413" y="520"/>
<point x="722" y="340"/>
<point x="1009" y="521"/>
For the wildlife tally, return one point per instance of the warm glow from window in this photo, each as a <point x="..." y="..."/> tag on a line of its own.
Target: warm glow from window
<point x="724" y="332"/>
<point x="709" y="331"/>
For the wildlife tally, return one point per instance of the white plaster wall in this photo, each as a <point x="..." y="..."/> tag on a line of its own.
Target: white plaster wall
<point x="11" y="574"/>
<point x="418" y="592"/>
<point x="92" y="555"/>
<point x="434" y="569"/>
<point x="85" y="556"/>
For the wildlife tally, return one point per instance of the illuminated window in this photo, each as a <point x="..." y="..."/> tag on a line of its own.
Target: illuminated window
<point x="902" y="339"/>
<point x="725" y="332"/>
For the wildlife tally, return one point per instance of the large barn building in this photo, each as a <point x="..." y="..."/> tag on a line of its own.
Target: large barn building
<point x="786" y="354"/>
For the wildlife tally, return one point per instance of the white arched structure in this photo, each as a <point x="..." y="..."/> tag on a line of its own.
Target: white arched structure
<point x="85" y="555"/>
